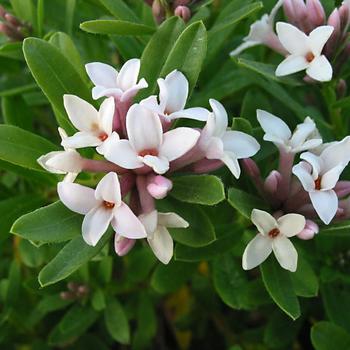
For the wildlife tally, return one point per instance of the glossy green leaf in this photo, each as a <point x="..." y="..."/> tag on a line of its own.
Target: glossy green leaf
<point x="12" y="50"/>
<point x="116" y="27"/>
<point x="120" y="10"/>
<point x="243" y="125"/>
<point x="328" y="336"/>
<point x="338" y="229"/>
<point x="24" y="9"/>
<point x="280" y="287"/>
<point x="304" y="279"/>
<point x="16" y="112"/>
<point x="67" y="260"/>
<point x="198" y="189"/>
<point x="51" y="224"/>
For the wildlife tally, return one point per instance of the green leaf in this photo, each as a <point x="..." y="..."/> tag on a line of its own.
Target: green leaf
<point x="328" y="336"/>
<point x="20" y="147"/>
<point x="24" y="9"/>
<point x="51" y="224"/>
<point x="169" y="278"/>
<point x="188" y="53"/>
<point x="244" y="202"/>
<point x="98" y="300"/>
<point x="14" y="284"/>
<point x="55" y="75"/>
<point x="120" y="10"/>
<point x="70" y="9"/>
<point x="198" y="189"/>
<point x="67" y="260"/>
<point x="242" y="124"/>
<point x="116" y="27"/>
<point x="12" y="50"/>
<point x="117" y="322"/>
<point x="157" y="52"/>
<point x="40" y="17"/>
<point x="16" y="112"/>
<point x="280" y="287"/>
<point x="339" y="229"/>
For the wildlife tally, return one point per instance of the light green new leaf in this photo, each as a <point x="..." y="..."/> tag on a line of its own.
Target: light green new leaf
<point x="198" y="189"/>
<point x="12" y="50"/>
<point x="328" y="336"/>
<point x="120" y="10"/>
<point x="116" y="27"/>
<point x="16" y="112"/>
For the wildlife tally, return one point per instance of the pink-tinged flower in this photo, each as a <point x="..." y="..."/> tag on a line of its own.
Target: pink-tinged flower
<point x="226" y="145"/>
<point x="158" y="236"/>
<point x="274" y="237"/>
<point x="108" y="81"/>
<point x="320" y="174"/>
<point x="158" y="186"/>
<point x="304" y="137"/>
<point x="173" y="94"/>
<point x="147" y="145"/>
<point x="94" y="126"/>
<point x="67" y="162"/>
<point x="123" y="245"/>
<point x="101" y="207"/>
<point x="310" y="230"/>
<point x="305" y="51"/>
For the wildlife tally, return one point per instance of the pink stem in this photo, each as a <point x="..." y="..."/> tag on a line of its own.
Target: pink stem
<point x="206" y="165"/>
<point x="285" y="169"/>
<point x="127" y="183"/>
<point x="102" y="166"/>
<point x="146" y="200"/>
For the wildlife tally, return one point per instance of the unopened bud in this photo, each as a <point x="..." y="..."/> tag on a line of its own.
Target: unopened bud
<point x="72" y="286"/>
<point x="251" y="167"/>
<point x="12" y="19"/>
<point x="123" y="245"/>
<point x="341" y="88"/>
<point x="2" y="12"/>
<point x="181" y="3"/>
<point x="158" y="186"/>
<point x="272" y="181"/>
<point x="309" y="231"/>
<point x="334" y="21"/>
<point x="149" y="2"/>
<point x="67" y="296"/>
<point x="344" y="14"/>
<point x="184" y="12"/>
<point x="82" y="291"/>
<point x="288" y="10"/>
<point x="316" y="14"/>
<point x="10" y="32"/>
<point x="158" y="11"/>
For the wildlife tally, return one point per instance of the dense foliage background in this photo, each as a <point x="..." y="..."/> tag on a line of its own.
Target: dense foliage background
<point x="89" y="298"/>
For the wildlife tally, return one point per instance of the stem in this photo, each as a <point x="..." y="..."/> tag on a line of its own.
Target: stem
<point x="146" y="200"/>
<point x="286" y="162"/>
<point x="101" y="166"/>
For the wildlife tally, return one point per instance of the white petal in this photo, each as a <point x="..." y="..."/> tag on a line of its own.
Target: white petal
<point x="173" y="91"/>
<point x="126" y="224"/>
<point x="241" y="144"/>
<point x="132" y="91"/>
<point x="273" y="125"/>
<point x="307" y="145"/>
<point x="264" y="221"/>
<point x="106" y="114"/>
<point x="220" y="117"/>
<point x="325" y="204"/>
<point x="302" y="132"/>
<point x="172" y="220"/>
<point x="128" y="74"/>
<point x="291" y="64"/>
<point x="151" y="103"/>
<point x="337" y="153"/>
<point x="102" y="74"/>
<point x="291" y="224"/>
<point x="109" y="142"/>
<point x="318" y="38"/>
<point x="196" y="113"/>
<point x="95" y="224"/>
<point x="162" y="244"/>
<point x="285" y="253"/>
<point x="100" y="91"/>
<point x="294" y="40"/>
<point x="316" y="162"/>
<point x="257" y="251"/>
<point x="160" y="164"/>
<point x="149" y="221"/>
<point x="121" y="153"/>
<point x="108" y="189"/>
<point x="320" y="69"/>
<point x="81" y="113"/>
<point x="231" y="162"/>
<point x="301" y="171"/>
<point x="81" y="139"/>
<point x="78" y="198"/>
<point x="144" y="128"/>
<point x="214" y="148"/>
<point x="331" y="177"/>
<point x="43" y="161"/>
<point x="67" y="162"/>
<point x="177" y="142"/>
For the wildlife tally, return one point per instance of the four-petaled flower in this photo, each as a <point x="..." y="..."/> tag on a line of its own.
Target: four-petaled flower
<point x="273" y="236"/>
<point x="305" y="51"/>
<point x="147" y="145"/>
<point x="101" y="208"/>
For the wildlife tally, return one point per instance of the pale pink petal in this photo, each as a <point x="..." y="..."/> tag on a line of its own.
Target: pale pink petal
<point x="151" y="103"/>
<point x="195" y="113"/>
<point x="315" y="161"/>
<point x="241" y="144"/>
<point x="67" y="162"/>
<point x="161" y="244"/>
<point x="301" y="171"/>
<point x="177" y="142"/>
<point x="220" y="118"/>
<point x="81" y="113"/>
<point x="294" y="40"/>
<point x="215" y="148"/>
<point x="126" y="224"/>
<point x="263" y="221"/>
<point x="331" y="177"/>
<point x="273" y="125"/>
<point x="292" y="64"/>
<point x="160" y="164"/>
<point x="231" y="162"/>
<point x="106" y="114"/>
<point x="285" y="253"/>
<point x="108" y="189"/>
<point x="149" y="221"/>
<point x="81" y="139"/>
<point x="172" y="220"/>
<point x="318" y="38"/>
<point x="109" y="142"/>
<point x="320" y="69"/>
<point x="101" y="91"/>
<point x="337" y="153"/>
<point x="128" y="74"/>
<point x="123" y="245"/>
<point x="78" y="198"/>
<point x="256" y="252"/>
<point x="95" y="224"/>
<point x="132" y="91"/>
<point x="43" y="161"/>
<point x="291" y="224"/>
<point x="102" y="74"/>
<point x="325" y="204"/>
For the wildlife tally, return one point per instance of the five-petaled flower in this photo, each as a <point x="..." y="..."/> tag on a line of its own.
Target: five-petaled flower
<point x="273" y="236"/>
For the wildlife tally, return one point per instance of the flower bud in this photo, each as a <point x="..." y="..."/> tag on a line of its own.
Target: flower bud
<point x="82" y="291"/>
<point x="184" y="12"/>
<point x="316" y="14"/>
<point x="344" y="14"/>
<point x="158" y="11"/>
<point x="251" y="168"/>
<point x="341" y="88"/>
<point x="272" y="181"/>
<point x="181" y="3"/>
<point x="288" y="10"/>
<point x="61" y="162"/>
<point x="309" y="231"/>
<point x="158" y="186"/>
<point x="12" y="20"/>
<point x="2" y="12"/>
<point x="67" y="296"/>
<point x="72" y="286"/>
<point x="123" y="245"/>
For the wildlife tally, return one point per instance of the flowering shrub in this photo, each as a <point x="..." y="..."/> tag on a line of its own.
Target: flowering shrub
<point x="153" y="158"/>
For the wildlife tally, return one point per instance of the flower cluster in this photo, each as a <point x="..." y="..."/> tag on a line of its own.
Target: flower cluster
<point x="138" y="147"/>
<point x="309" y="40"/>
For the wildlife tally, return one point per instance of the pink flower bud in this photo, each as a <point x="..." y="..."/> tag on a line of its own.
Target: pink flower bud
<point x="272" y="181"/>
<point x="288" y="10"/>
<point x="123" y="245"/>
<point x="181" y="3"/>
<point x="344" y="14"/>
<point x="316" y="14"/>
<point x="72" y="286"/>
<point x="67" y="296"/>
<point x="12" y="19"/>
<point x="2" y="12"/>
<point x="158" y="11"/>
<point x="251" y="168"/>
<point x="82" y="291"/>
<point x="158" y="186"/>
<point x="309" y="231"/>
<point x="341" y="88"/>
<point x="334" y="21"/>
<point x="184" y="12"/>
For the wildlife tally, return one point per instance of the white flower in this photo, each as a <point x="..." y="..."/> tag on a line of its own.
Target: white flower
<point x="273" y="236"/>
<point x="173" y="94"/>
<point x="67" y="162"/>
<point x="226" y="145"/>
<point x="304" y="137"/>
<point x="101" y="207"/>
<point x="158" y="236"/>
<point x="147" y="145"/>
<point x="108" y="81"/>
<point x="305" y="51"/>
<point x="320" y="174"/>
<point x="94" y="126"/>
